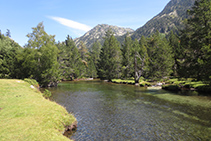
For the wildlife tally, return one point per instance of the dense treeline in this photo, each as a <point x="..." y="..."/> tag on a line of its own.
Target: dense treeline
<point x="158" y="56"/>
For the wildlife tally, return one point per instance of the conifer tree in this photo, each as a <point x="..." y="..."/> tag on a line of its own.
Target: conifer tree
<point x="174" y="42"/>
<point x="94" y="59"/>
<point x="140" y="58"/>
<point x="110" y="58"/>
<point x="74" y="61"/>
<point x="95" y="53"/>
<point x="160" y="56"/>
<point x="128" y="57"/>
<point x="196" y="39"/>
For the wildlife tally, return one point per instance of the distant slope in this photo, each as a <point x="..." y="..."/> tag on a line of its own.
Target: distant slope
<point x="169" y="19"/>
<point x="98" y="32"/>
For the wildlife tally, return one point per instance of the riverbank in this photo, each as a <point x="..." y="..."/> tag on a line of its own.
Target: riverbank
<point x="172" y="85"/>
<point x="187" y="97"/>
<point x="131" y="82"/>
<point x="187" y="84"/>
<point x="26" y="115"/>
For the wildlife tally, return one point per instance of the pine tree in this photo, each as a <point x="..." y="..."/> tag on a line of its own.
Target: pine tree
<point x="174" y="42"/>
<point x="95" y="53"/>
<point x="110" y="58"/>
<point x="128" y="59"/>
<point x="94" y="59"/>
<point x="140" y="58"/>
<point x="160" y="56"/>
<point x="70" y="60"/>
<point x="196" y="39"/>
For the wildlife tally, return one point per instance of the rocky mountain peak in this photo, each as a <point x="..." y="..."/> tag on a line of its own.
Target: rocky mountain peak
<point x="170" y="18"/>
<point x="98" y="32"/>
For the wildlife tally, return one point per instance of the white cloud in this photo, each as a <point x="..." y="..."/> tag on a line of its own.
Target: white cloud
<point x="71" y="24"/>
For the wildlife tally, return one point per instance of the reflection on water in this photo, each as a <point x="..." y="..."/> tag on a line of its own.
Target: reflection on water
<point x="108" y="111"/>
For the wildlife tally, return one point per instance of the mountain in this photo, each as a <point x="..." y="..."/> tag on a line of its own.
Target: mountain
<point x="169" y="19"/>
<point x="98" y="32"/>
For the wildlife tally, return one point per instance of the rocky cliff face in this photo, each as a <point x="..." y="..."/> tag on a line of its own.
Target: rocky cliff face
<point x="169" y="19"/>
<point x="98" y="32"/>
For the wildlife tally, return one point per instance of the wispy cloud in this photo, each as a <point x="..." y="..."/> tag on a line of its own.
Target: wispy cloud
<point x="71" y="24"/>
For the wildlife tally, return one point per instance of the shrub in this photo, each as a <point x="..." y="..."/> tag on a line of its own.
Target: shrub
<point x="47" y="93"/>
<point x="32" y="82"/>
<point x="171" y="87"/>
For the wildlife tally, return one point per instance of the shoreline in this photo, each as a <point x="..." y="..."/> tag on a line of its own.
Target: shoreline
<point x="27" y="115"/>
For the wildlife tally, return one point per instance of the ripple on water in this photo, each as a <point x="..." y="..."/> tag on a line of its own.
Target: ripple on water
<point x="119" y="112"/>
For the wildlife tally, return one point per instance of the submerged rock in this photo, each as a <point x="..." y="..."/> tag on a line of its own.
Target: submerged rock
<point x="70" y="129"/>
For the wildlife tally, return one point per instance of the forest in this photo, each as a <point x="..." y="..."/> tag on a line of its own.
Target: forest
<point x="183" y="54"/>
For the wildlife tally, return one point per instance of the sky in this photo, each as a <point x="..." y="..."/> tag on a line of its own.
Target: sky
<point x="73" y="17"/>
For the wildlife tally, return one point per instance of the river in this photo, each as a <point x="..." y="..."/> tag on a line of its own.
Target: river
<point x="107" y="111"/>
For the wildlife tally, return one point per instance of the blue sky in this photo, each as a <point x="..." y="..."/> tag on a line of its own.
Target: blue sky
<point x="73" y="17"/>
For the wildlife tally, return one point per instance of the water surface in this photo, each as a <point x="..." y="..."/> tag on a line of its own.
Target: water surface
<point x="107" y="111"/>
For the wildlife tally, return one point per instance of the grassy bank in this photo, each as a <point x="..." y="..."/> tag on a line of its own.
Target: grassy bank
<point x="141" y="82"/>
<point x="26" y="115"/>
<point x="186" y="84"/>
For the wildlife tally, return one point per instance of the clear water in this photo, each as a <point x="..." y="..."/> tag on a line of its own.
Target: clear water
<point x="107" y="111"/>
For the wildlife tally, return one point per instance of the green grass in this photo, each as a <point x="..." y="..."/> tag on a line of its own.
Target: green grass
<point x="141" y="82"/>
<point x="187" y="83"/>
<point x="26" y="115"/>
<point x="123" y="81"/>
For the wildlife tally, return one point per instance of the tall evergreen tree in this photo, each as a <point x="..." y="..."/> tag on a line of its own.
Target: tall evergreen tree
<point x="174" y="42"/>
<point x="128" y="59"/>
<point x="94" y="59"/>
<point x="160" y="56"/>
<point x="8" y="33"/>
<point x="95" y="53"/>
<point x="110" y="58"/>
<point x="71" y="59"/>
<point x="196" y="39"/>
<point x="140" y="58"/>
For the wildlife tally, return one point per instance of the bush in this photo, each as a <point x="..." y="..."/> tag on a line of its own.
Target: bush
<point x="47" y="93"/>
<point x="171" y="87"/>
<point x="204" y="88"/>
<point x="145" y="84"/>
<point x="32" y="82"/>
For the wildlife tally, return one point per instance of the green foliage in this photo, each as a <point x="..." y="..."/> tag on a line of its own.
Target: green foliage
<point x="110" y="58"/>
<point x="153" y="58"/>
<point x="69" y="59"/>
<point x="141" y="58"/>
<point x="174" y="43"/>
<point x="94" y="59"/>
<point x="171" y="87"/>
<point x="145" y="84"/>
<point x="39" y="58"/>
<point x="32" y="82"/>
<point x="127" y="58"/>
<point x="8" y="62"/>
<point x="47" y="93"/>
<point x="127" y="81"/>
<point x="196" y="41"/>
<point x="160" y="56"/>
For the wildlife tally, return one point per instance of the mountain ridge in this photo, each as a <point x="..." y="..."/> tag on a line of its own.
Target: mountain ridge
<point x="98" y="32"/>
<point x="170" y="18"/>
